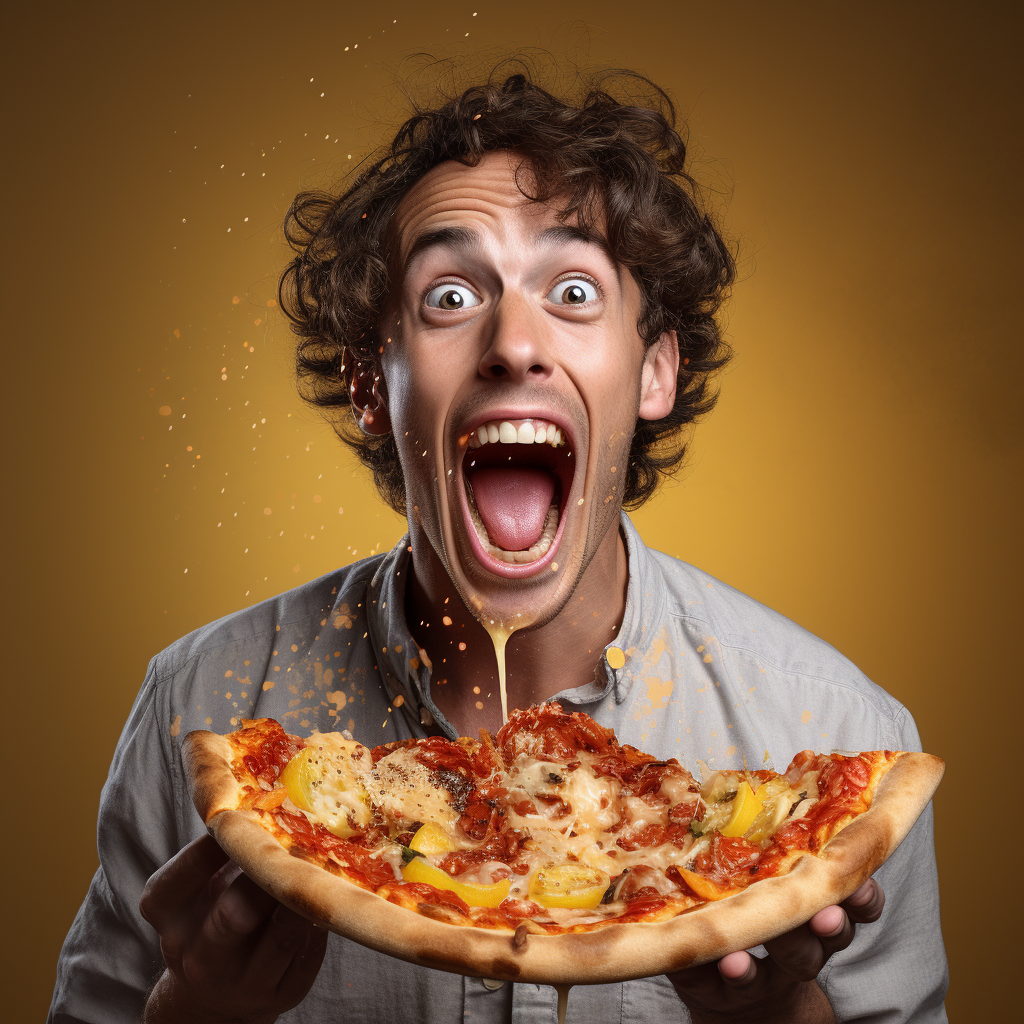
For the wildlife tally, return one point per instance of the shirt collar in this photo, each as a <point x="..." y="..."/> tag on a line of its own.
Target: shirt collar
<point x="646" y="602"/>
<point x="405" y="668"/>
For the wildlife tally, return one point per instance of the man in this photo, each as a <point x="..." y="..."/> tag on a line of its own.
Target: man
<point x="517" y="304"/>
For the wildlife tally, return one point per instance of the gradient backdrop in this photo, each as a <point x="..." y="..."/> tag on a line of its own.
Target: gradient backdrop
<point x="861" y="473"/>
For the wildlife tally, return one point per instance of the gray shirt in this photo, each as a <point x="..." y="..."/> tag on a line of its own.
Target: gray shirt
<point x="709" y="674"/>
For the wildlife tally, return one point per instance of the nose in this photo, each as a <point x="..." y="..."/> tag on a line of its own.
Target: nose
<point x="517" y="348"/>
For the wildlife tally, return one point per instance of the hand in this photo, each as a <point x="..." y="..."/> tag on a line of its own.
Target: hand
<point x="781" y="987"/>
<point x="233" y="953"/>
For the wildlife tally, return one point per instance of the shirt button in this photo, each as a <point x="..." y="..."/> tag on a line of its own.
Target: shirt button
<point x="492" y="984"/>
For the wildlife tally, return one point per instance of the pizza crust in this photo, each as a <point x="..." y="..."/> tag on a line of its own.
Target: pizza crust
<point x="614" y="952"/>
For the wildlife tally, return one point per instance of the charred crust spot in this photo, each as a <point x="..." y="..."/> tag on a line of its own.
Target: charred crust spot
<point x="504" y="969"/>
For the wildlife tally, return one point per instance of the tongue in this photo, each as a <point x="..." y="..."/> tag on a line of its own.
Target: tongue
<point x="513" y="504"/>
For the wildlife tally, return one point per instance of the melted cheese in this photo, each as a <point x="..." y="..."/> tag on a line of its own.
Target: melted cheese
<point x="599" y="815"/>
<point x="337" y="793"/>
<point x="404" y="789"/>
<point x="499" y="634"/>
<point x="595" y="800"/>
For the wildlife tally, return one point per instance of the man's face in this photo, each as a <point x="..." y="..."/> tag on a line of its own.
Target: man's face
<point x="514" y="376"/>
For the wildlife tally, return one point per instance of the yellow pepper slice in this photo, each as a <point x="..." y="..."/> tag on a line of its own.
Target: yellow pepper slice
<point x="419" y="869"/>
<point x="299" y="777"/>
<point x="569" y="885"/>
<point x="431" y="839"/>
<point x="327" y="788"/>
<point x="746" y="806"/>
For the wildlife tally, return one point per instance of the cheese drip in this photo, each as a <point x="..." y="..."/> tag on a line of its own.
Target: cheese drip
<point x="499" y="634"/>
<point x="563" y="1001"/>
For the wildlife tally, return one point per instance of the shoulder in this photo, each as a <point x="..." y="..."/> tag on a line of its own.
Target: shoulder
<point x="752" y="631"/>
<point x="295" y="613"/>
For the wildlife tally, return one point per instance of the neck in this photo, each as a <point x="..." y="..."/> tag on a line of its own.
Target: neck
<point x="541" y="661"/>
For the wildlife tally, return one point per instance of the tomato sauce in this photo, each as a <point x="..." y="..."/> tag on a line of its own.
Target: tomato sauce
<point x="314" y="838"/>
<point x="423" y="893"/>
<point x="501" y="846"/>
<point x="517" y="910"/>
<point x="549" y="731"/>
<point x="654" y="835"/>
<point x="475" y="820"/>
<point x="727" y="861"/>
<point x="644" y="901"/>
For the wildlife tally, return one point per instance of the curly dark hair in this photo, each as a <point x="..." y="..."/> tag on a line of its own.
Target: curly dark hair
<point x="592" y="155"/>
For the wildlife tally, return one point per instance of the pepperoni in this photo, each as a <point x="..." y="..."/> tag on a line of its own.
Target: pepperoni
<point x="654" y="835"/>
<point x="434" y="752"/>
<point x="491" y="791"/>
<point x="794" y="835"/>
<point x="501" y="846"/>
<point x="624" y="763"/>
<point x="682" y="814"/>
<point x="800" y="765"/>
<point x="514" y="911"/>
<point x="728" y="860"/>
<point x="485" y="761"/>
<point x="645" y="901"/>
<point x="269" y="748"/>
<point x="649" y="777"/>
<point x="843" y="779"/>
<point x="673" y="875"/>
<point x="591" y="735"/>
<point x="547" y="730"/>
<point x="476" y="819"/>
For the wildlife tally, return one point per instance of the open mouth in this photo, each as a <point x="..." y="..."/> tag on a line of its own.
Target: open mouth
<point x="517" y="475"/>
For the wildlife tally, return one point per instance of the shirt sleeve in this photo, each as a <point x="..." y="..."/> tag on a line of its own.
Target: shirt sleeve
<point x="894" y="971"/>
<point x="111" y="955"/>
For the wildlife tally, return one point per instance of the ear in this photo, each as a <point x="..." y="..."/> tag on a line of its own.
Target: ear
<point x="658" y="378"/>
<point x="368" y="394"/>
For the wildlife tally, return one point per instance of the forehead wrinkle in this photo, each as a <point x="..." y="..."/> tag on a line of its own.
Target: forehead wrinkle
<point x="464" y="240"/>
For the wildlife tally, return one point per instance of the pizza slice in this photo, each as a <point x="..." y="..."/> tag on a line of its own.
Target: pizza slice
<point x="550" y="852"/>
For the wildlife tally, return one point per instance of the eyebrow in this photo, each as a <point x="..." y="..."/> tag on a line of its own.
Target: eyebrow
<point x="463" y="239"/>
<point x="571" y="233"/>
<point x="449" y="238"/>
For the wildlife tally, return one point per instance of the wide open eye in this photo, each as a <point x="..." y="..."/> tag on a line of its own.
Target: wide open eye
<point x="573" y="291"/>
<point x="451" y="297"/>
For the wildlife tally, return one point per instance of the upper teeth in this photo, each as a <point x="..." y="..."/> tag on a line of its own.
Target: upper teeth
<point x="515" y="432"/>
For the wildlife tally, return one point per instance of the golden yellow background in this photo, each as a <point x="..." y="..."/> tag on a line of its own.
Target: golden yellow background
<point x="861" y="473"/>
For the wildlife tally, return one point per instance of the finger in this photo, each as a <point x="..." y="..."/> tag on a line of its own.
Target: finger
<point x="798" y="953"/>
<point x="738" y="970"/>
<point x="283" y="938"/>
<point x="697" y="982"/>
<point x="866" y="904"/>
<point x="834" y="930"/>
<point x="178" y="884"/>
<point x="829" y="923"/>
<point x="228" y="931"/>
<point x="299" y="977"/>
